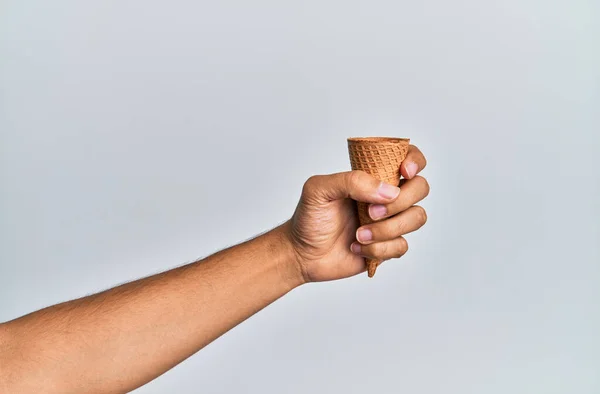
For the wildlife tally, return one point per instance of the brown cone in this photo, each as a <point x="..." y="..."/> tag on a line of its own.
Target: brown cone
<point x="380" y="157"/>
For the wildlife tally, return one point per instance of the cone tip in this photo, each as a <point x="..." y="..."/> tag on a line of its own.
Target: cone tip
<point x="371" y="268"/>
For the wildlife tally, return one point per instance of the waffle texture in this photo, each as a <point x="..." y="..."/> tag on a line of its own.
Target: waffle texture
<point x="380" y="157"/>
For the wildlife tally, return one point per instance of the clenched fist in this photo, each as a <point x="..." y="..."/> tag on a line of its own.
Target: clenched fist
<point x="324" y="230"/>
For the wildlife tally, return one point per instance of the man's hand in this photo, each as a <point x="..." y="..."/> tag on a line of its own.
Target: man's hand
<point x="324" y="229"/>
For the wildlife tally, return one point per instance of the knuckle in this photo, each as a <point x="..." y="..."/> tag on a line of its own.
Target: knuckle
<point x="400" y="247"/>
<point x="403" y="247"/>
<point x="353" y="179"/>
<point x="419" y="152"/>
<point x="421" y="214"/>
<point x="310" y="185"/>
<point x="399" y="227"/>
<point x="424" y="185"/>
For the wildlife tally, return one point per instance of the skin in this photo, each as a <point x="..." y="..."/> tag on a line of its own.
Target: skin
<point x="122" y="338"/>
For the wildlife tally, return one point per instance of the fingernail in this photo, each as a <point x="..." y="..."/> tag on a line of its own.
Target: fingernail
<point x="411" y="169"/>
<point x="364" y="235"/>
<point x="377" y="211"/>
<point x="388" y="191"/>
<point x="355" y="248"/>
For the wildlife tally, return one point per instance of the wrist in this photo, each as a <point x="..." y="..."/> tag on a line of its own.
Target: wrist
<point x="288" y="264"/>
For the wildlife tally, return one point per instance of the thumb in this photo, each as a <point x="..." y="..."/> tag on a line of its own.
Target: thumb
<point x="357" y="185"/>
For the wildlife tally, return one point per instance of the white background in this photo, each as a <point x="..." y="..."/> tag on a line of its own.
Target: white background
<point x="139" y="135"/>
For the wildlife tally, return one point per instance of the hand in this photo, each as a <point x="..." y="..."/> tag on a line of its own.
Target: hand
<point x="323" y="230"/>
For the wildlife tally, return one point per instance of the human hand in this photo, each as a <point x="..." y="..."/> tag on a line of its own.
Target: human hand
<point x="324" y="231"/>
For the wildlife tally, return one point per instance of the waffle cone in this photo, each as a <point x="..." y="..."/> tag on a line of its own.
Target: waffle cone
<point x="381" y="157"/>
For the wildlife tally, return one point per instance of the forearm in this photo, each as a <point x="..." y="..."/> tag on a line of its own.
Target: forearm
<point x="122" y="338"/>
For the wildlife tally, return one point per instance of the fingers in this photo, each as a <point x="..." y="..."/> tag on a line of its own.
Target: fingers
<point x="382" y="250"/>
<point x="405" y="222"/>
<point x="357" y="185"/>
<point x="412" y="191"/>
<point x="383" y="240"/>
<point x="413" y="164"/>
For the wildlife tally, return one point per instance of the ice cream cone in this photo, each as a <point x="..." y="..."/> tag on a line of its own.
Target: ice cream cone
<point x="381" y="157"/>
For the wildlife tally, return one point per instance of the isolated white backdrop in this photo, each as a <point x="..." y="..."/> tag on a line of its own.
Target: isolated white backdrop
<point x="139" y="135"/>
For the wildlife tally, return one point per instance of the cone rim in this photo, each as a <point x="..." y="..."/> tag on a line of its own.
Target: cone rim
<point x="378" y="140"/>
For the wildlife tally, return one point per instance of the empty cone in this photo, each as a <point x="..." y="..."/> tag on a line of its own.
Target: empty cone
<point x="381" y="157"/>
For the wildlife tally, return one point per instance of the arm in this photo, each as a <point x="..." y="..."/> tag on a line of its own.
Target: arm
<point x="124" y="337"/>
<point x="120" y="339"/>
